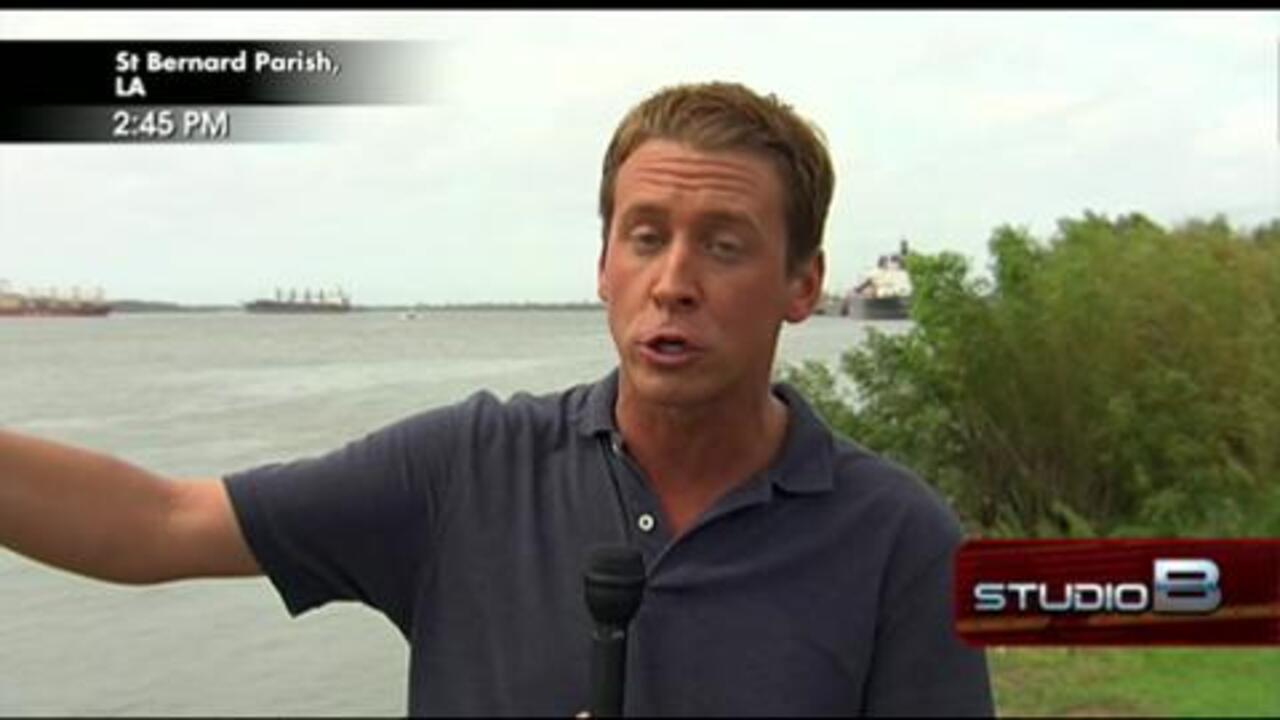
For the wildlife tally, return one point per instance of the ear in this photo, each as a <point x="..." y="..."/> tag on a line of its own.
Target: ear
<point x="603" y="291"/>
<point x="804" y="288"/>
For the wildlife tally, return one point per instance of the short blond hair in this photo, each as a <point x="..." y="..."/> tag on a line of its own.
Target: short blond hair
<point x="718" y="116"/>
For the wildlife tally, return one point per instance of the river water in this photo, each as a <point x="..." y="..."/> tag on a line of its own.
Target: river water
<point x="204" y="394"/>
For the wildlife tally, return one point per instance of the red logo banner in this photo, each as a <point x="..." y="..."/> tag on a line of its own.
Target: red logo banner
<point x="1118" y="592"/>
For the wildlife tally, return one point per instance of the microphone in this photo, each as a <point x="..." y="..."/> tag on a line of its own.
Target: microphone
<point x="614" y="583"/>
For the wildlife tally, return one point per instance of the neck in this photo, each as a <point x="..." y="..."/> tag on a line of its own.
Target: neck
<point x="693" y="454"/>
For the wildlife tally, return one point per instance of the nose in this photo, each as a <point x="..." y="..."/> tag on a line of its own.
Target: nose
<point x="676" y="286"/>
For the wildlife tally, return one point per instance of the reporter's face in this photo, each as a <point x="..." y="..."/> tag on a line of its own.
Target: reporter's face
<point x="694" y="272"/>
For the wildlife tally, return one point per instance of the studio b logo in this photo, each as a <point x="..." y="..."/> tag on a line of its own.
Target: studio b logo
<point x="1178" y="586"/>
<point x="1118" y="592"/>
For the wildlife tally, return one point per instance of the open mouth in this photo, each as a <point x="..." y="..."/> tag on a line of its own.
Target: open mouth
<point x="668" y="346"/>
<point x="669" y="349"/>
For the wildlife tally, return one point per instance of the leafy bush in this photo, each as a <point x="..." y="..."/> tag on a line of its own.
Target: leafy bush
<point x="1122" y="379"/>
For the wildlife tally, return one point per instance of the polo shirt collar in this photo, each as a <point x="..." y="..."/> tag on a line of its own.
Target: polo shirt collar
<point x="807" y="452"/>
<point x="597" y="412"/>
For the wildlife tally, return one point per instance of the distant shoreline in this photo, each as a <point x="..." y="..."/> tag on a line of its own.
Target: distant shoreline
<point x="151" y="306"/>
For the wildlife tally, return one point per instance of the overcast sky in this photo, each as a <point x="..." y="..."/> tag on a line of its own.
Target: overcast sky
<point x="942" y="126"/>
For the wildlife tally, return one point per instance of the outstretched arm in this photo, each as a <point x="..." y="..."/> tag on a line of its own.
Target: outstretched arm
<point x="99" y="516"/>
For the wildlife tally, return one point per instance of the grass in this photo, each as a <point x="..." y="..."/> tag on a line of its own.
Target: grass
<point x="1176" y="682"/>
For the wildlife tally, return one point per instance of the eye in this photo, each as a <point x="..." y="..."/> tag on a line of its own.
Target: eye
<point x="644" y="238"/>
<point x="724" y="245"/>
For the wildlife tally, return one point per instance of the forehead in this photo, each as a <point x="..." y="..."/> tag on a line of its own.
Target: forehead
<point x="666" y="170"/>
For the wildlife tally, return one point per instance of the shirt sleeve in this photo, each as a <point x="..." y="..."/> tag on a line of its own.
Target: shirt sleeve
<point x="354" y="524"/>
<point x="919" y="664"/>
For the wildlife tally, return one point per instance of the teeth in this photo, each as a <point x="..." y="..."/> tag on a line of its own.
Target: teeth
<point x="669" y="347"/>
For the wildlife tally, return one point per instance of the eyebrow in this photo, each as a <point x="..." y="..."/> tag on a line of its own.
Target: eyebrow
<point x="653" y="211"/>
<point x="732" y="219"/>
<point x="643" y="211"/>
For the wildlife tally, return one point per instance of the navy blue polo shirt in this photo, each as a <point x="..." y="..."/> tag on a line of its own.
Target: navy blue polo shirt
<point x="819" y="586"/>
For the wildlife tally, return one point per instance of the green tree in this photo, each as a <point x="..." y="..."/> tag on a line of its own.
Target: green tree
<point x="1120" y="379"/>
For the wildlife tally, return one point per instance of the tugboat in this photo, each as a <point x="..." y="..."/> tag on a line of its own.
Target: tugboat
<point x="291" y="303"/>
<point x="885" y="293"/>
<point x="51" y="304"/>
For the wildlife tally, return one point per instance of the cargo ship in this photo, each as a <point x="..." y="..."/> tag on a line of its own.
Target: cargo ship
<point x="51" y="304"/>
<point x="885" y="293"/>
<point x="292" y="302"/>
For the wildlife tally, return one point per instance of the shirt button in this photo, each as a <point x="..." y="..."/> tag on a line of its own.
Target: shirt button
<point x="645" y="522"/>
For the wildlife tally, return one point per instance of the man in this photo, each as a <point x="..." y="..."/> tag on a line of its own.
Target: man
<point x="788" y="571"/>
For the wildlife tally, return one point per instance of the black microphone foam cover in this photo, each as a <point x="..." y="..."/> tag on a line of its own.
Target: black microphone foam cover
<point x="614" y="584"/>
